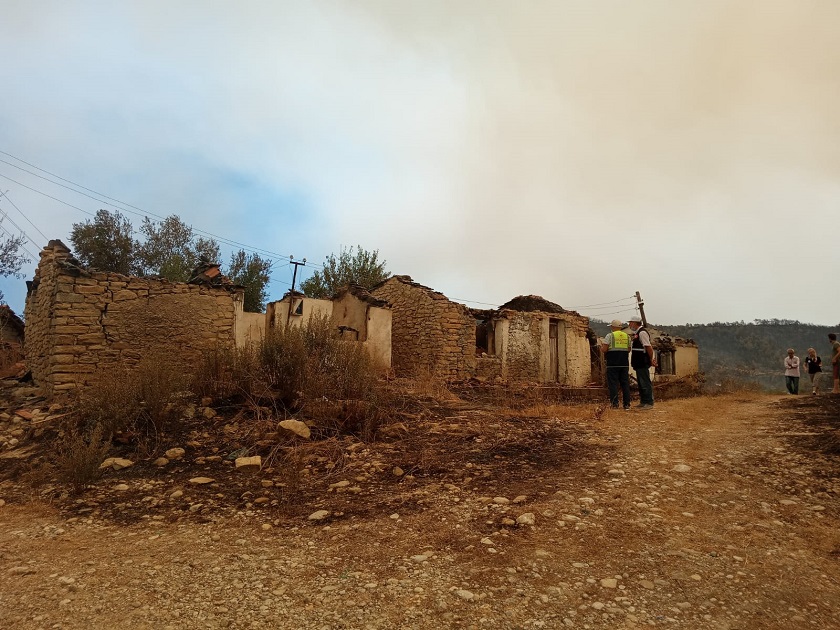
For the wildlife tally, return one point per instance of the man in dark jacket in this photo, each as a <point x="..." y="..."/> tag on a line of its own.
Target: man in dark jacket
<point x="642" y="358"/>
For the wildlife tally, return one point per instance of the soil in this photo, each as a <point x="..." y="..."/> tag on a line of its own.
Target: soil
<point x="707" y="512"/>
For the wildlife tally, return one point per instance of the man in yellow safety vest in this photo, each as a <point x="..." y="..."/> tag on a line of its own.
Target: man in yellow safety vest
<point x="616" y="349"/>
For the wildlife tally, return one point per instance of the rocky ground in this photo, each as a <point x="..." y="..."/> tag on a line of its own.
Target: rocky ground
<point x="708" y="512"/>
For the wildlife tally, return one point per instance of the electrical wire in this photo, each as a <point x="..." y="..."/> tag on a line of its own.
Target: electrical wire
<point x="14" y="205"/>
<point x="23" y="247"/>
<point x="120" y="205"/>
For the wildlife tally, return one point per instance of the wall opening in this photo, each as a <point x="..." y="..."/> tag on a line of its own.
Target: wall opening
<point x="665" y="362"/>
<point x="485" y="338"/>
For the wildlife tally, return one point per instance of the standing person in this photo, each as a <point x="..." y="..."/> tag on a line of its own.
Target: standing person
<point x="835" y="362"/>
<point x="616" y="348"/>
<point x="813" y="364"/>
<point x="792" y="372"/>
<point x="642" y="359"/>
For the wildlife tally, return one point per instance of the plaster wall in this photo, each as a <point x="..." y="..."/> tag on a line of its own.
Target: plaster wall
<point x="250" y="327"/>
<point x="378" y="340"/>
<point x="686" y="360"/>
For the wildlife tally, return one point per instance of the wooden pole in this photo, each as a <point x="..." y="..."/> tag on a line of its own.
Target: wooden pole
<point x="641" y="305"/>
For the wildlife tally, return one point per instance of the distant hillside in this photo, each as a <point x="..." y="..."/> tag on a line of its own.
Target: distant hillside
<point x="752" y="352"/>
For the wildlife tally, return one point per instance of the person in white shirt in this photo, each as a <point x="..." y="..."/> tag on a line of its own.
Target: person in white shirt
<point x="792" y="372"/>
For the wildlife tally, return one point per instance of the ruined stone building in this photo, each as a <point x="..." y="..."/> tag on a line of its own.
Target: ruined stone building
<point x="527" y="339"/>
<point x="353" y="313"/>
<point x="11" y="338"/>
<point x="81" y="321"/>
<point x="430" y="334"/>
<point x="676" y="357"/>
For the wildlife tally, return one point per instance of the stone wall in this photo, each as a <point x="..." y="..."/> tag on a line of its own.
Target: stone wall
<point x="524" y="344"/>
<point x="80" y="322"/>
<point x="429" y="333"/>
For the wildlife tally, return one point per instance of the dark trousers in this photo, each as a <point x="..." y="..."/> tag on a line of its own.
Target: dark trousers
<point x="792" y="384"/>
<point x="645" y="386"/>
<point x="618" y="377"/>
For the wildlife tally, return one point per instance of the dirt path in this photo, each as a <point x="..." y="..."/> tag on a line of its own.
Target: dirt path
<point x="705" y="513"/>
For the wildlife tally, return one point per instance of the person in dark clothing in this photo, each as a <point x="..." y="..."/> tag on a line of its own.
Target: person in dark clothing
<point x="642" y="359"/>
<point x="813" y="364"/>
<point x="616" y="349"/>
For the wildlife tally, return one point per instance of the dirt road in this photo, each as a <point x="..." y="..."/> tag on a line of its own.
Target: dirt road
<point x="705" y="513"/>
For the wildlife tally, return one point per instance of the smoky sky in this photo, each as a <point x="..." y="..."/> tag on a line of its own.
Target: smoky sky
<point x="580" y="151"/>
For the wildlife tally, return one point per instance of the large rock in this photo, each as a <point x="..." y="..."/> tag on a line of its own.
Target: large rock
<point x="174" y="454"/>
<point x="249" y="464"/>
<point x="116" y="463"/>
<point x="297" y="427"/>
<point x="319" y="515"/>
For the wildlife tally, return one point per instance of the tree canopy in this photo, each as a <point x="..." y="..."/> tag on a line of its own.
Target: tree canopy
<point x="363" y="268"/>
<point x="11" y="258"/>
<point x="253" y="273"/>
<point x="168" y="248"/>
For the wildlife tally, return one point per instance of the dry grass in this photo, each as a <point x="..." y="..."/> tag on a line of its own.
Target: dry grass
<point x="80" y="453"/>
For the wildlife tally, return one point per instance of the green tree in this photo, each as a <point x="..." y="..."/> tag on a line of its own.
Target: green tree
<point x="170" y="249"/>
<point x="253" y="273"/>
<point x="11" y="260"/>
<point x="363" y="268"/>
<point x="105" y="243"/>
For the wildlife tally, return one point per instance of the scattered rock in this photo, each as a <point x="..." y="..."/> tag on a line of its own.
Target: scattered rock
<point x="527" y="518"/>
<point x="297" y="427"/>
<point x="465" y="594"/>
<point x="501" y="500"/>
<point x="249" y="464"/>
<point x="609" y="583"/>
<point x="398" y="472"/>
<point x="681" y="468"/>
<point x="319" y="515"/>
<point x="175" y="454"/>
<point x="201" y="480"/>
<point x="161" y="462"/>
<point x="116" y="463"/>
<point x="208" y="412"/>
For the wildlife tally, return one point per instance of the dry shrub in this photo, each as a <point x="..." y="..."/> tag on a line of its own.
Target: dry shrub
<point x="111" y="402"/>
<point x="143" y="401"/>
<point x="80" y="453"/>
<point x="291" y="459"/>
<point x="162" y="391"/>
<point x="428" y="384"/>
<point x="304" y="369"/>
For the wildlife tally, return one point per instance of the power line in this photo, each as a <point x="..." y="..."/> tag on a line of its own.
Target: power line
<point x="23" y="247"/>
<point x="14" y="205"/>
<point x="46" y="195"/>
<point x="5" y="215"/>
<point x="124" y="206"/>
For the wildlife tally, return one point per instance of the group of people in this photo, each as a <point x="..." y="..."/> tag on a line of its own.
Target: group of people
<point x="622" y="351"/>
<point x="813" y="365"/>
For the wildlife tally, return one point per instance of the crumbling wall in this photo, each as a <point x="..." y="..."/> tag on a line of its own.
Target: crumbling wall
<point x="578" y="350"/>
<point x="429" y="333"/>
<point x="687" y="360"/>
<point x="522" y="359"/>
<point x="80" y="322"/>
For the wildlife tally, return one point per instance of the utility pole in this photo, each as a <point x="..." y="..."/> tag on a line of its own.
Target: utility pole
<point x="641" y="304"/>
<point x="292" y="292"/>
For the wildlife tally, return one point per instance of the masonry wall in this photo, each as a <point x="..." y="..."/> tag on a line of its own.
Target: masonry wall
<point x="81" y="322"/>
<point x="525" y="347"/>
<point x="429" y="333"/>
